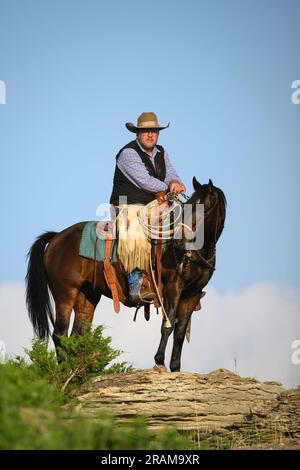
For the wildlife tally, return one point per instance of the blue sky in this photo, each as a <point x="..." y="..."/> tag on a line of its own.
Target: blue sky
<point x="219" y="71"/>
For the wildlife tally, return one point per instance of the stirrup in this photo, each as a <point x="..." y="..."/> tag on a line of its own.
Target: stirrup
<point x="137" y="298"/>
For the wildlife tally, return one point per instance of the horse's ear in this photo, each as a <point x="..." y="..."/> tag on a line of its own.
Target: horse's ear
<point x="196" y="184"/>
<point x="210" y="186"/>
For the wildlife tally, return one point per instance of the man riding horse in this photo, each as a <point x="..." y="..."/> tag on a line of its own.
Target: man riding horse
<point x="143" y="170"/>
<point x="77" y="281"/>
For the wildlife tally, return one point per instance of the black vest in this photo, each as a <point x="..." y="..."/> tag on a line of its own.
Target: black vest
<point x="123" y="187"/>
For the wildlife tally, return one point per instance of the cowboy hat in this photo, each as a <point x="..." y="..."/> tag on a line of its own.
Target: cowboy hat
<point x="145" y="121"/>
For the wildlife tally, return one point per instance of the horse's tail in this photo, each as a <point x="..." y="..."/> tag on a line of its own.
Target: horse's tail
<point x="37" y="294"/>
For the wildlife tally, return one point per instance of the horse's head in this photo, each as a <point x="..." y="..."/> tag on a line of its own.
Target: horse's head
<point x="214" y="202"/>
<point x="205" y="194"/>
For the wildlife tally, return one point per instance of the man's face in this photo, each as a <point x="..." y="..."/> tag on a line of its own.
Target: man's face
<point x="148" y="138"/>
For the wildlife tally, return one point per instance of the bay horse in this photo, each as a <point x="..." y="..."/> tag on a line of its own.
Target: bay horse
<point x="54" y="264"/>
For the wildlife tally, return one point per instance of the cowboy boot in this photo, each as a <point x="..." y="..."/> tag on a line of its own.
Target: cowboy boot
<point x="139" y="288"/>
<point x="147" y="292"/>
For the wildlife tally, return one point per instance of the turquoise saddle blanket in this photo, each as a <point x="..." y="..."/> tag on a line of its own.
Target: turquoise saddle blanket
<point x="92" y="245"/>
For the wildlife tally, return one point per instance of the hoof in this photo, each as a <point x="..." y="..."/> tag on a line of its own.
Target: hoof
<point x="160" y="368"/>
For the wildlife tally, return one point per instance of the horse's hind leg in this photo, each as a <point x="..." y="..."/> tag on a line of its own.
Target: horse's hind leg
<point x="84" y="312"/>
<point x="64" y="304"/>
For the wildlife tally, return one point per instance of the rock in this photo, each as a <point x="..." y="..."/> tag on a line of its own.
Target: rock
<point x="220" y="402"/>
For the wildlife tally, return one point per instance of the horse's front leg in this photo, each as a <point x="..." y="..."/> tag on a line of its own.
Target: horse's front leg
<point x="185" y="309"/>
<point x="172" y="294"/>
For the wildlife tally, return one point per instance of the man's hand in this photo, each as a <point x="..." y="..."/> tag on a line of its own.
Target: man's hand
<point x="176" y="187"/>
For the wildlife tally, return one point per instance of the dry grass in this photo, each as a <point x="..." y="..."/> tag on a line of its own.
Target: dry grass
<point x="267" y="435"/>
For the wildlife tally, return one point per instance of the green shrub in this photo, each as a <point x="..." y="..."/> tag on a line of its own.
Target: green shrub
<point x="32" y="417"/>
<point x="26" y="404"/>
<point x="32" y="414"/>
<point x="83" y="357"/>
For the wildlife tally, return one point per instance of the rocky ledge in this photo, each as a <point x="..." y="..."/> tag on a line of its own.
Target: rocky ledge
<point x="220" y="402"/>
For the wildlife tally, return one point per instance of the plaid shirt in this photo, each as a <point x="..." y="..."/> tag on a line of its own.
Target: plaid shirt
<point x="131" y="165"/>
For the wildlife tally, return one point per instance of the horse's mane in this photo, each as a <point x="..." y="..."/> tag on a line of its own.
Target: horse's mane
<point x="223" y="205"/>
<point x="222" y="200"/>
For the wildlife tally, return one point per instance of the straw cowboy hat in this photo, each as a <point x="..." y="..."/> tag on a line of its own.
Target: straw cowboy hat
<point x="145" y="121"/>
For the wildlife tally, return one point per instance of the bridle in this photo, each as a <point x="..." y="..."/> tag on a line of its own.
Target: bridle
<point x="195" y="256"/>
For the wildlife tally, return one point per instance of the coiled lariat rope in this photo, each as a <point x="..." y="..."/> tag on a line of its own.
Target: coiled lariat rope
<point x="153" y="225"/>
<point x="155" y="228"/>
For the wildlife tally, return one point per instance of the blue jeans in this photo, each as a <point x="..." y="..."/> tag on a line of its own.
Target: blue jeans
<point x="134" y="277"/>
